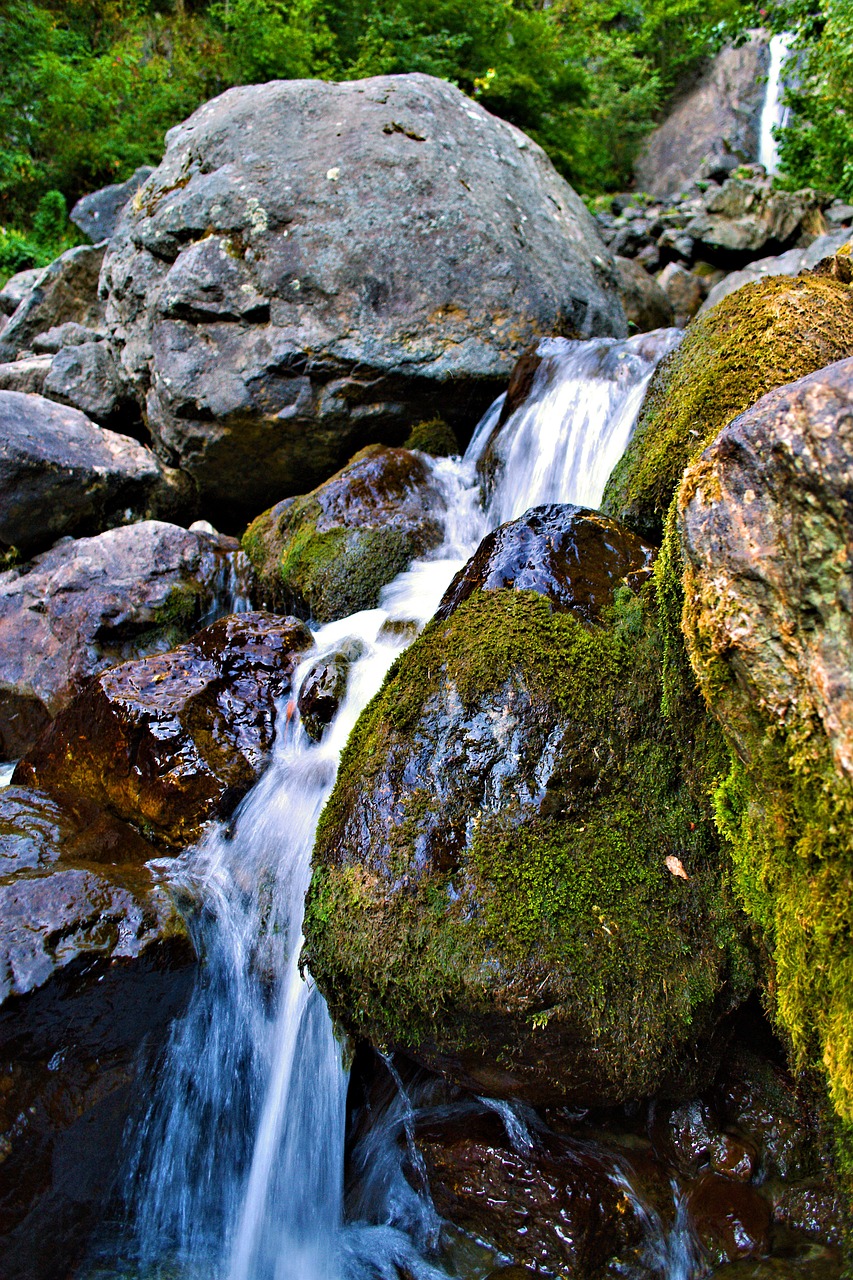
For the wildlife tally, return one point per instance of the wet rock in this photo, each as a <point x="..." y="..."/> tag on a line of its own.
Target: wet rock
<point x="813" y="1209"/>
<point x="171" y="741"/>
<point x="94" y="962"/>
<point x="27" y="376"/>
<point x="17" y="287"/>
<point x="714" y="127"/>
<point x="577" y="558"/>
<point x="66" y="290"/>
<point x="684" y="291"/>
<point x="87" y="377"/>
<point x="323" y="689"/>
<point x="764" y="525"/>
<point x="329" y="554"/>
<point x="731" y="1219"/>
<point x="789" y="328"/>
<point x="89" y="604"/>
<point x="97" y="214"/>
<point x="553" y="1207"/>
<point x="61" y="475"/>
<point x="491" y="892"/>
<point x="759" y="1100"/>
<point x="283" y="301"/>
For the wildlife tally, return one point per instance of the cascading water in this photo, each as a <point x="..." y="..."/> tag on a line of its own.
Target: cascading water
<point x="238" y="1165"/>
<point x="774" y="114"/>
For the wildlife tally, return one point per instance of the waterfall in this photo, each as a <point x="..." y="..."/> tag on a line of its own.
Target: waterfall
<point x="237" y="1169"/>
<point x="774" y="115"/>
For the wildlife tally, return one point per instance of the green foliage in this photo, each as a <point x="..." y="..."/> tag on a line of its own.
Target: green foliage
<point x="88" y="88"/>
<point x="816" y="148"/>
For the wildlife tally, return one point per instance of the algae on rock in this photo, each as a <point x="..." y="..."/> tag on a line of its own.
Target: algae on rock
<point x="767" y="334"/>
<point x="493" y="890"/>
<point x="329" y="554"/>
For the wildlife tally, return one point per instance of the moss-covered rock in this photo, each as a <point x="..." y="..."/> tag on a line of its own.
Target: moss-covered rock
<point x="767" y="334"/>
<point x="764" y="520"/>
<point x="515" y="880"/>
<point x="329" y="554"/>
<point x="435" y="437"/>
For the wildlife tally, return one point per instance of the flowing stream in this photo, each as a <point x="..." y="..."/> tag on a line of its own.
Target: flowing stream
<point x="238" y="1165"/>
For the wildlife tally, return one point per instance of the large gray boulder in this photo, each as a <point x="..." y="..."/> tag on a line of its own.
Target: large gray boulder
<point x="86" y="605"/>
<point x="62" y="475"/>
<point x="714" y="127"/>
<point x="97" y="214"/>
<point x="790" y="263"/>
<point x="88" y="377"/>
<point x="66" y="290"/>
<point x="316" y="266"/>
<point x="17" y="287"/>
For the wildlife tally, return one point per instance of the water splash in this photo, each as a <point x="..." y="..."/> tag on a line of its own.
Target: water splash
<point x="238" y="1165"/>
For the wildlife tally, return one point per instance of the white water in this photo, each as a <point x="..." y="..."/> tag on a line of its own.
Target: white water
<point x="238" y="1162"/>
<point x="774" y="115"/>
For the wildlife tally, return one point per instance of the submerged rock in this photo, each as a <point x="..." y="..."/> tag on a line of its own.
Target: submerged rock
<point x="768" y="333"/>
<point x="88" y="604"/>
<point x="329" y="554"/>
<point x="315" y="266"/>
<point x="173" y="740"/>
<point x="765" y="519"/>
<point x="62" y="475"/>
<point x="513" y="882"/>
<point x="94" y="962"/>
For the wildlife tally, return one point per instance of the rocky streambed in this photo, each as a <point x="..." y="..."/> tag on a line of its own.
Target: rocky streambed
<point x="545" y="735"/>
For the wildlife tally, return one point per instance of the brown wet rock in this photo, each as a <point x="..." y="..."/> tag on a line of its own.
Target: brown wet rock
<point x="731" y="1219"/>
<point x="811" y="1208"/>
<point x="94" y="961"/>
<point x="174" y="740"/>
<point x="552" y="1207"/>
<point x="91" y="603"/>
<point x="327" y="555"/>
<point x="323" y="689"/>
<point x="576" y="557"/>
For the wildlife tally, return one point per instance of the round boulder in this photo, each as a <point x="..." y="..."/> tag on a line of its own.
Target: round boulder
<point x="315" y="266"/>
<point x="513" y="880"/>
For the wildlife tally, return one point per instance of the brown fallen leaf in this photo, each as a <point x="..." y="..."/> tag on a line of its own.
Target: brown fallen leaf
<point x="676" y="866"/>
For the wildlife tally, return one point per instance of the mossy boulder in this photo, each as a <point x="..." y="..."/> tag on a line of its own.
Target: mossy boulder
<point x="330" y="553"/>
<point x="514" y="880"/>
<point x="767" y="334"/>
<point x="765" y="521"/>
<point x="435" y="437"/>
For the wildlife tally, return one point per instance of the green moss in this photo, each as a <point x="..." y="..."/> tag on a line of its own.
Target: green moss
<point x="435" y="437"/>
<point x="768" y="333"/>
<point x="569" y="912"/>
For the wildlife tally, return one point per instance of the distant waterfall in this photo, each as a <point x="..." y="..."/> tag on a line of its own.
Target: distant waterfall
<point x="774" y="114"/>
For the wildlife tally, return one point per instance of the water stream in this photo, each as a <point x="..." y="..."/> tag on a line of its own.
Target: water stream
<point x="238" y="1164"/>
<point x="774" y="114"/>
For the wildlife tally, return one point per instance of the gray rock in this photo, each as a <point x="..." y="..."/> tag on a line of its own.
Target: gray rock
<point x="66" y="290"/>
<point x="88" y="378"/>
<point x="746" y="217"/>
<point x="646" y="305"/>
<point x="790" y="263"/>
<point x="97" y="214"/>
<point x="316" y="266"/>
<point x="88" y="604"/>
<point x="26" y="376"/>
<point x="17" y="287"/>
<point x="60" y="474"/>
<point x="69" y="334"/>
<point x="714" y="127"/>
<point x="683" y="290"/>
<point x="837" y="215"/>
